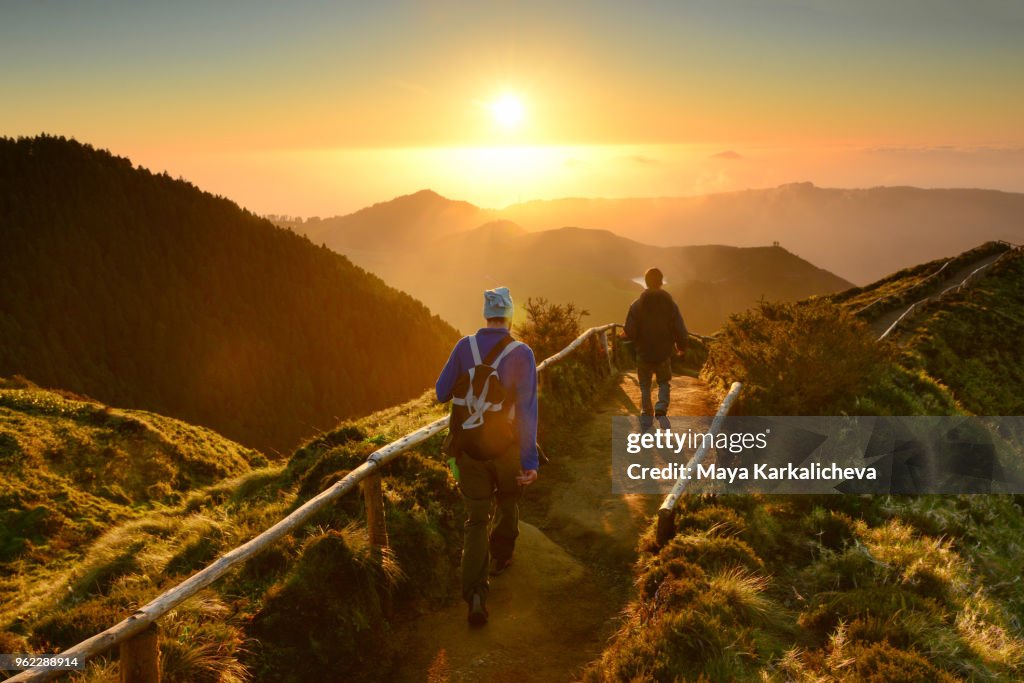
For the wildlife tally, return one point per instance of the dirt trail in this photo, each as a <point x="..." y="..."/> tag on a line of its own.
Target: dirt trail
<point x="948" y="282"/>
<point x="553" y="610"/>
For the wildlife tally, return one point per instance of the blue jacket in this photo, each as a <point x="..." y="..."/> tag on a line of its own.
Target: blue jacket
<point x="518" y="374"/>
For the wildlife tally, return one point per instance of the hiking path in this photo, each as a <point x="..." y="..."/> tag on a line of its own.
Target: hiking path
<point x="552" y="611"/>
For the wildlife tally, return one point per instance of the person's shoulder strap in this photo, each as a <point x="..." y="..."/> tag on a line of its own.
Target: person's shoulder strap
<point x="497" y="350"/>
<point x="504" y="352"/>
<point x="474" y="348"/>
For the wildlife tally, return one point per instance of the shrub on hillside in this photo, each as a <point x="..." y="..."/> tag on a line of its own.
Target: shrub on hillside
<point x="567" y="388"/>
<point x="812" y="358"/>
<point x="329" y="614"/>
<point x="550" y="327"/>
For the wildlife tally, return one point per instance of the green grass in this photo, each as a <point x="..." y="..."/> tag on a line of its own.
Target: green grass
<point x="971" y="341"/>
<point x="70" y="467"/>
<point x="823" y="588"/>
<point x="318" y="600"/>
<point x="892" y="286"/>
<point x="320" y="586"/>
<point x="907" y="285"/>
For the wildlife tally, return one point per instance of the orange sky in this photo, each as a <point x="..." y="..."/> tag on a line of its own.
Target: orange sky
<point x="318" y="108"/>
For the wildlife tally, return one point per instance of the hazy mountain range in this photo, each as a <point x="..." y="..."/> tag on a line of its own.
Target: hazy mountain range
<point x="859" y="234"/>
<point x="596" y="270"/>
<point x="437" y="250"/>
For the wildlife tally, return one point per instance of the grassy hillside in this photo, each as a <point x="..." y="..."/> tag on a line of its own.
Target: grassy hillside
<point x="70" y="468"/>
<point x="828" y="588"/>
<point x="846" y="587"/>
<point x="317" y="606"/>
<point x="317" y="597"/>
<point x="908" y="285"/>
<point x="145" y="292"/>
<point x="971" y="341"/>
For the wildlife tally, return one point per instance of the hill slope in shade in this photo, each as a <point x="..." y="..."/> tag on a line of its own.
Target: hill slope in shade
<point x="71" y="467"/>
<point x="145" y="292"/>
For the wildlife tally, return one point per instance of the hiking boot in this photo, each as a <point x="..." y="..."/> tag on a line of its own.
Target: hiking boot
<point x="646" y="422"/>
<point x="477" y="612"/>
<point x="499" y="566"/>
<point x="659" y="413"/>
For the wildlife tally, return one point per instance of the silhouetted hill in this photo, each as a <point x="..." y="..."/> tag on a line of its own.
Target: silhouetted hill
<point x="860" y="234"/>
<point x="145" y="292"/>
<point x="597" y="270"/>
<point x="399" y="224"/>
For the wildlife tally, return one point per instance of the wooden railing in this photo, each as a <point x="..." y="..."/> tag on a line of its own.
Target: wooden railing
<point x="137" y="636"/>
<point x="919" y="288"/>
<point x="666" y="513"/>
<point x="913" y="290"/>
<point x="973" y="275"/>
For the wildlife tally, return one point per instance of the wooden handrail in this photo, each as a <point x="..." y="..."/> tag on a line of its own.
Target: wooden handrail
<point x="142" y="618"/>
<point x="575" y="344"/>
<point x="952" y="288"/>
<point x="909" y="291"/>
<point x="666" y="524"/>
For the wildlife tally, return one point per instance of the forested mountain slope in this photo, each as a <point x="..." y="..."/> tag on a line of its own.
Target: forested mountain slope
<point x="143" y="291"/>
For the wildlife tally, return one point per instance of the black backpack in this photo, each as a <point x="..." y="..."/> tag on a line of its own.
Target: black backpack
<point x="481" y="424"/>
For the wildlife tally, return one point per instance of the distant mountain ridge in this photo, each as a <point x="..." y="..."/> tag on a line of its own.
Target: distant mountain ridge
<point x="860" y="234"/>
<point x="595" y="269"/>
<point x="401" y="223"/>
<point x="145" y="292"/>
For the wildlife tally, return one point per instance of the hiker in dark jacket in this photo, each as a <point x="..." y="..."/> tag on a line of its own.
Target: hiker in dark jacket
<point x="495" y="483"/>
<point x="654" y="325"/>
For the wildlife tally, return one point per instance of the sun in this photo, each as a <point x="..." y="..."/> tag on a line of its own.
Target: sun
<point x="508" y="111"/>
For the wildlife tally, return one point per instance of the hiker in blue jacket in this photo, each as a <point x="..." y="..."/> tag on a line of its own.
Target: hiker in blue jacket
<point x="654" y="324"/>
<point x="491" y="478"/>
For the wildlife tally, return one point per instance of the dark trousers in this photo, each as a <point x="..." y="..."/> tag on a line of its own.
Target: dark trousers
<point x="489" y="490"/>
<point x="662" y="372"/>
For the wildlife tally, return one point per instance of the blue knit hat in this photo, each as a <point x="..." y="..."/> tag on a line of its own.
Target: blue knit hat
<point x="498" y="303"/>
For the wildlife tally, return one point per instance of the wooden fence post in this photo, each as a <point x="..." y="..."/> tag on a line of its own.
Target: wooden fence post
<point x="614" y="347"/>
<point x="607" y="351"/>
<point x="666" y="527"/>
<point x="373" y="495"/>
<point x="137" y="636"/>
<point x="140" y="657"/>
